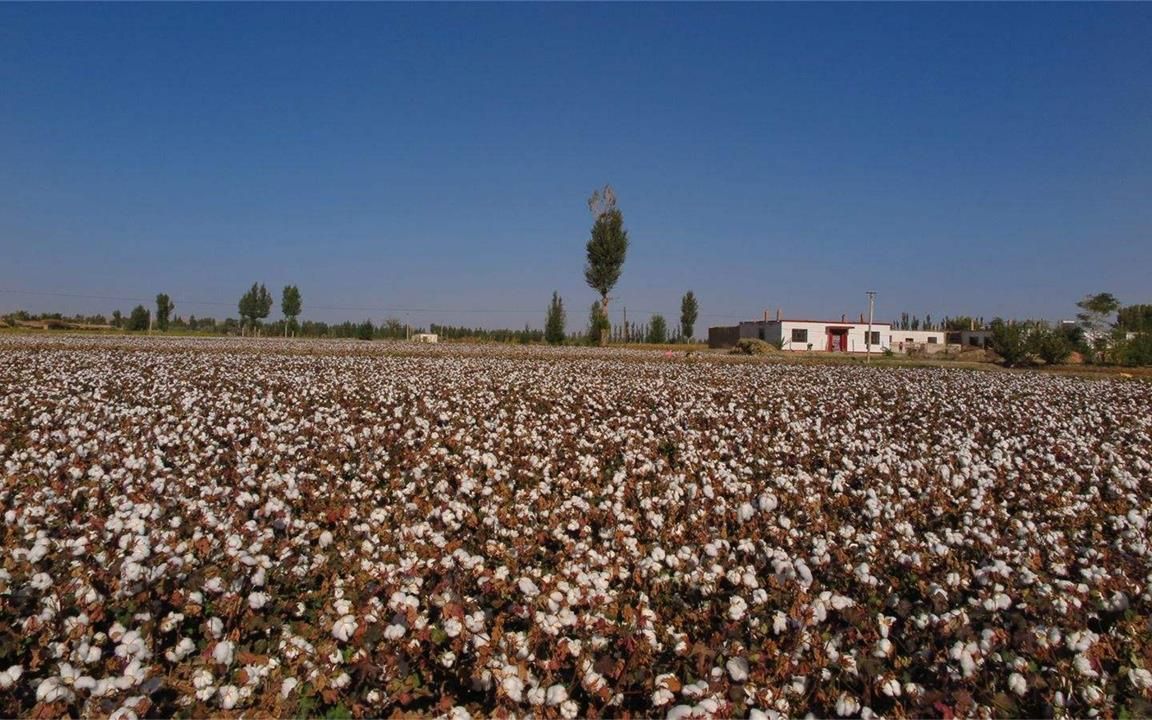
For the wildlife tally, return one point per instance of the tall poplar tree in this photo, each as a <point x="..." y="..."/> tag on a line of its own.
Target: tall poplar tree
<point x="689" y="311"/>
<point x="555" y="321"/>
<point x="606" y="251"/>
<point x="290" y="305"/>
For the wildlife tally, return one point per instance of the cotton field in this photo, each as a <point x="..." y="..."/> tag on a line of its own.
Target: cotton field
<point x="305" y="528"/>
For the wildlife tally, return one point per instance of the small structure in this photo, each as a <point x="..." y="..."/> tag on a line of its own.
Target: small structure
<point x="426" y="338"/>
<point x="840" y="335"/>
<point x="928" y="341"/>
<point x="969" y="338"/>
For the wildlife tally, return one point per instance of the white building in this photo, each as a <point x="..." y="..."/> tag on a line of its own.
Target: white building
<point x="426" y="338"/>
<point x="819" y="335"/>
<point x="928" y="340"/>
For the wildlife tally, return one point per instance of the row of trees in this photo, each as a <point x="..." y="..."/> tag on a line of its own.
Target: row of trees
<point x="600" y="330"/>
<point x="605" y="253"/>
<point x="963" y="322"/>
<point x="1105" y="333"/>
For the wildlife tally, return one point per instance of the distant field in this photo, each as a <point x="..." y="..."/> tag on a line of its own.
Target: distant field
<point x="222" y="526"/>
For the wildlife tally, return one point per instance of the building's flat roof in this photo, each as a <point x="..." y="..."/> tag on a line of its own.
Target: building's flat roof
<point x="875" y="323"/>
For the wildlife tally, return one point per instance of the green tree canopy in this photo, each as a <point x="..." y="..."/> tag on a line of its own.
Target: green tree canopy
<point x="1009" y="341"/>
<point x="1097" y="310"/>
<point x="138" y="320"/>
<point x="1135" y="318"/>
<point x="164" y="308"/>
<point x="598" y="325"/>
<point x="255" y="304"/>
<point x="689" y="311"/>
<point x="555" y="320"/>
<point x="290" y="306"/>
<point x="657" y="330"/>
<point x="607" y="247"/>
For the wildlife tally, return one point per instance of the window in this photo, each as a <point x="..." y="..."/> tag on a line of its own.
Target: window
<point x="875" y="340"/>
<point x="800" y="336"/>
<point x="932" y="339"/>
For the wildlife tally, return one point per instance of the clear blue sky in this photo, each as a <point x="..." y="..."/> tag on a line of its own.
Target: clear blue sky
<point x="959" y="159"/>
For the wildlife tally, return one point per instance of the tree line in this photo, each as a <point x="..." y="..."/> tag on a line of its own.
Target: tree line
<point x="605" y="252"/>
<point x="1105" y="333"/>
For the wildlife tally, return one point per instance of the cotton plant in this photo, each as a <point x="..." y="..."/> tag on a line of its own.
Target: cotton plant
<point x="563" y="532"/>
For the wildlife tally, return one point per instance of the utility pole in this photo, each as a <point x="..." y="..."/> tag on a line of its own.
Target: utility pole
<point x="626" y="333"/>
<point x="868" y="340"/>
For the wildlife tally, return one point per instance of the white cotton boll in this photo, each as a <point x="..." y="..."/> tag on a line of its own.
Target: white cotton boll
<point x="680" y="712"/>
<point x="846" y="705"/>
<point x="216" y="627"/>
<point x="257" y="600"/>
<point x="839" y="602"/>
<point x="737" y="607"/>
<point x="287" y="686"/>
<point x="536" y="696"/>
<point x="52" y="689"/>
<point x="556" y="695"/>
<point x="779" y="622"/>
<point x="181" y="651"/>
<point x="325" y="539"/>
<point x="746" y="512"/>
<point x="883" y="648"/>
<point x="1017" y="684"/>
<point x="1084" y="666"/>
<point x="459" y="713"/>
<point x="569" y="710"/>
<point x="661" y="697"/>
<point x="737" y="669"/>
<point x="891" y="687"/>
<point x="201" y="679"/>
<point x="513" y="687"/>
<point x="767" y="502"/>
<point x="967" y="664"/>
<point x="394" y="632"/>
<point x="452" y="627"/>
<point x="528" y="587"/>
<point x="344" y="628"/>
<point x="41" y="581"/>
<point x="228" y="696"/>
<point x="9" y="677"/>
<point x="1140" y="678"/>
<point x="222" y="653"/>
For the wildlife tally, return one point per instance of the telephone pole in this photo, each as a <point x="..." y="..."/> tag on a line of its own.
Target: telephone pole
<point x="868" y="340"/>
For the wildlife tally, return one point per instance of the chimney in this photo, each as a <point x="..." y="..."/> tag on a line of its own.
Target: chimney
<point x="778" y="316"/>
<point x="844" y="318"/>
<point x="765" y="316"/>
<point x="861" y="317"/>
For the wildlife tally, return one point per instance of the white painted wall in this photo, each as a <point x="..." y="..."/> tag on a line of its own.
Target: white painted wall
<point x="818" y="335"/>
<point x="905" y="340"/>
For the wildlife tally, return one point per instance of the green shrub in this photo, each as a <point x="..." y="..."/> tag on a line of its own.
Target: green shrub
<point x="1051" y="346"/>
<point x="1137" y="351"/>
<point x="1009" y="342"/>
